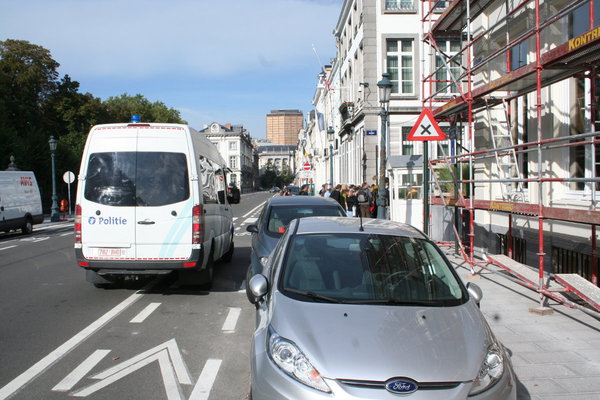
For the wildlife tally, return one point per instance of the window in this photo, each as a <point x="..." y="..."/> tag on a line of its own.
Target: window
<point x="411" y="186"/>
<point x="143" y="179"/>
<point x="233" y="162"/>
<point x="232" y="145"/>
<point x="449" y="67"/>
<point x="408" y="146"/>
<point x="400" y="65"/>
<point x="518" y="55"/>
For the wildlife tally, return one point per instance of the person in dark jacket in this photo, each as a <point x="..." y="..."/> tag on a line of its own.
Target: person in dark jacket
<point x="336" y="195"/>
<point x="352" y="202"/>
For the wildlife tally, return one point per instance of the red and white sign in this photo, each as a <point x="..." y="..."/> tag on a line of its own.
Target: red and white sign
<point x="306" y="167"/>
<point x="426" y="128"/>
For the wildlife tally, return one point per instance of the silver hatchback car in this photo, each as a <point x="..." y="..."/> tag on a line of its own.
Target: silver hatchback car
<point x="369" y="309"/>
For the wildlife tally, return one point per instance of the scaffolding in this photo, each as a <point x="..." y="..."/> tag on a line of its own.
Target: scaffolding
<point x="496" y="65"/>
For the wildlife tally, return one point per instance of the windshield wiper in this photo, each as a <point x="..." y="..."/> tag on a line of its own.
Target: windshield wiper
<point x="312" y="295"/>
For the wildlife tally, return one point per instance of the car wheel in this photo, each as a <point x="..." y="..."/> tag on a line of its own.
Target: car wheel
<point x="27" y="228"/>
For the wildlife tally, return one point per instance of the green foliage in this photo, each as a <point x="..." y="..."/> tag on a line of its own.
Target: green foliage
<point x="35" y="104"/>
<point x="123" y="107"/>
<point x="273" y="177"/>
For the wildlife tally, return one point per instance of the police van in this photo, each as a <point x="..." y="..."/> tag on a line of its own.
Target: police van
<point x="151" y="199"/>
<point x="20" y="201"/>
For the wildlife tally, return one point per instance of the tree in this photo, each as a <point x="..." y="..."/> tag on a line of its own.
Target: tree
<point x="123" y="107"/>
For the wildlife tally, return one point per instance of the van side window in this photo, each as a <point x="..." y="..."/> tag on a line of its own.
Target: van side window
<point x="143" y="179"/>
<point x="221" y="185"/>
<point x="207" y="178"/>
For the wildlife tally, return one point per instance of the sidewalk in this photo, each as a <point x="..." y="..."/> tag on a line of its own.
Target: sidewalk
<point x="555" y="356"/>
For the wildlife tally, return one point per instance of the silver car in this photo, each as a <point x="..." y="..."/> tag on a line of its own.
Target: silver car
<point x="370" y="309"/>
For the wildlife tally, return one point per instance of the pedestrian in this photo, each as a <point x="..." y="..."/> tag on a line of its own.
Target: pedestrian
<point x="303" y="190"/>
<point x="323" y="190"/>
<point x="352" y="202"/>
<point x="336" y="194"/>
<point x="363" y="198"/>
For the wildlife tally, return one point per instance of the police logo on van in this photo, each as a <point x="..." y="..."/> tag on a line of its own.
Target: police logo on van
<point x="108" y="221"/>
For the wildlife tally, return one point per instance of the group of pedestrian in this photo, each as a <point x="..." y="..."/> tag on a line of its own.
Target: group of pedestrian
<point x="357" y="200"/>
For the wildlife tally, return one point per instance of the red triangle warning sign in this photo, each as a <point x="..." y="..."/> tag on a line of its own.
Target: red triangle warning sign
<point x="426" y="128"/>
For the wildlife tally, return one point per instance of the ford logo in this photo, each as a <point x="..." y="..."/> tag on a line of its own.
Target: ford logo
<point x="401" y="386"/>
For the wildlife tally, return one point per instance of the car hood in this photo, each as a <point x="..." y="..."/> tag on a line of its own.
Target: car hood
<point x="376" y="343"/>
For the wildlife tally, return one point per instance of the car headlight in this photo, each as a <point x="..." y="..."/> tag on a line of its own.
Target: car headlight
<point x="293" y="362"/>
<point x="490" y="372"/>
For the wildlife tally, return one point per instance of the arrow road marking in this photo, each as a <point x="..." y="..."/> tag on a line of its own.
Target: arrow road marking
<point x="171" y="365"/>
<point x="79" y="372"/>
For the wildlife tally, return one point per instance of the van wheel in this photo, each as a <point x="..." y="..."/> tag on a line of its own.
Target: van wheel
<point x="229" y="255"/>
<point x="28" y="227"/>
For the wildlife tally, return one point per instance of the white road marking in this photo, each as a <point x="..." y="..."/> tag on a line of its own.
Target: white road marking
<point x="231" y="320"/>
<point x="66" y="234"/>
<point x="8" y="247"/>
<point x="171" y="365"/>
<point x="138" y="319"/>
<point x="250" y="220"/>
<point x="207" y="379"/>
<point x="79" y="372"/>
<point x="34" y="371"/>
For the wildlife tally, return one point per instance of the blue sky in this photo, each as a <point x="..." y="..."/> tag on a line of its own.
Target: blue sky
<point x="229" y="61"/>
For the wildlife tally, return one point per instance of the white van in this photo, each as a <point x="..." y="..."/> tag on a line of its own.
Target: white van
<point x="151" y="199"/>
<point x="20" y="202"/>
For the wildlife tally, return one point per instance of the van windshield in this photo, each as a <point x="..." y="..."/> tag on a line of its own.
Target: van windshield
<point x="130" y="178"/>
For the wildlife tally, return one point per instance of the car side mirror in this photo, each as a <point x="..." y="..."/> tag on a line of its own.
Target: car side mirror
<point x="252" y="228"/>
<point x="475" y="292"/>
<point x="257" y="288"/>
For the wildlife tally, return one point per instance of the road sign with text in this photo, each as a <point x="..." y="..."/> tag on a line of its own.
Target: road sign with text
<point x="426" y="128"/>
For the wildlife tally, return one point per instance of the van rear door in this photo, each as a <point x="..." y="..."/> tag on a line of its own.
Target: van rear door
<point x="108" y="204"/>
<point x="164" y="198"/>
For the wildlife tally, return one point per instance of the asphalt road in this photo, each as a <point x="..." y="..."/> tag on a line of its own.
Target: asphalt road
<point x="154" y="339"/>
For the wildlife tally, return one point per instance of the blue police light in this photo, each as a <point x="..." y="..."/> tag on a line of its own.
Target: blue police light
<point x="135" y="118"/>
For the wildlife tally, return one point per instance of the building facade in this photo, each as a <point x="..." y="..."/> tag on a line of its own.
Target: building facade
<point x="280" y="157"/>
<point x="283" y="126"/>
<point x="235" y="145"/>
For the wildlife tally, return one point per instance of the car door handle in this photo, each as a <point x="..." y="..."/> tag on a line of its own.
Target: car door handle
<point x="146" y="222"/>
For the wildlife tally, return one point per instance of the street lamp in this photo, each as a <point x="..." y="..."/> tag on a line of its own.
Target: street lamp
<point x="54" y="217"/>
<point x="385" y="89"/>
<point x="330" y="138"/>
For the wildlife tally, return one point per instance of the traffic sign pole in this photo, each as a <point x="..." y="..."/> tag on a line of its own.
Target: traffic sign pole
<point x="426" y="188"/>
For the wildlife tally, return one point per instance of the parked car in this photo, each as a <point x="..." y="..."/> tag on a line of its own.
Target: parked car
<point x="294" y="190"/>
<point x="274" y="189"/>
<point x="370" y="309"/>
<point x="276" y="214"/>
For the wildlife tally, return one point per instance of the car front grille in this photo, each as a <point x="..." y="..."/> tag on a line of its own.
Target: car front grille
<point x="381" y="385"/>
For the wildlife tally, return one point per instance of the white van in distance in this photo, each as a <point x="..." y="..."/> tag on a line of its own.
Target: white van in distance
<point x="151" y="199"/>
<point x="20" y="202"/>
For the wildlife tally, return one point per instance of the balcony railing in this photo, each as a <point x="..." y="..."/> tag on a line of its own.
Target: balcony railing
<point x="400" y="5"/>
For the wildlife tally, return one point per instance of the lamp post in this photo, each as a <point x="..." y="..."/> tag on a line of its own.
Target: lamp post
<point x="330" y="138"/>
<point x="54" y="216"/>
<point x="385" y="89"/>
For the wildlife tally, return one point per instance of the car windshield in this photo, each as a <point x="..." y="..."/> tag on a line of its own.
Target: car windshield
<point x="368" y="269"/>
<point x="280" y="217"/>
